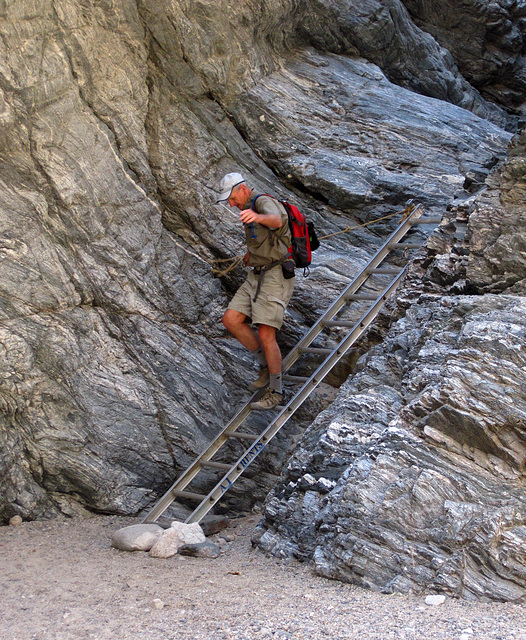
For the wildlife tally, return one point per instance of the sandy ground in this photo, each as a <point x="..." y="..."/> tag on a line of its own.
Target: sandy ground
<point x="61" y="580"/>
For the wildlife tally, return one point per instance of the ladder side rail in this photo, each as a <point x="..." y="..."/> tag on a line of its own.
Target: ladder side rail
<point x="317" y="377"/>
<point x="351" y="288"/>
<point x="189" y="474"/>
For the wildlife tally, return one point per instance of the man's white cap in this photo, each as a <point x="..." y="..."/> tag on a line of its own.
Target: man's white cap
<point x="226" y="185"/>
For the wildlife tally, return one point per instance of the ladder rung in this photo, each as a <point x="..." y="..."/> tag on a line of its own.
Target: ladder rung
<point x="339" y="323"/>
<point x="241" y="436"/>
<point x="316" y="351"/>
<point x="362" y="296"/>
<point x="389" y="271"/>
<point x="296" y="379"/>
<point x="278" y="407"/>
<point x="405" y="245"/>
<point x="216" y="465"/>
<point x="427" y="221"/>
<point x="188" y="494"/>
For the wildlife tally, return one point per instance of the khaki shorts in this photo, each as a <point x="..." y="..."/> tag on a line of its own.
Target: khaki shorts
<point x="272" y="300"/>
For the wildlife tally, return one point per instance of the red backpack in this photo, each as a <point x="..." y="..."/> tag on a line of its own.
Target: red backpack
<point x="302" y="233"/>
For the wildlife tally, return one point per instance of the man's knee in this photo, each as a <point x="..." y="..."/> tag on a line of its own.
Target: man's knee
<point x="232" y="319"/>
<point x="267" y="334"/>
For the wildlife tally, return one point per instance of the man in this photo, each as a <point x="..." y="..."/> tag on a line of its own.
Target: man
<point x="264" y="295"/>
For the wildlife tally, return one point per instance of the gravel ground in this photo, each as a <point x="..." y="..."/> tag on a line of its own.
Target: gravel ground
<point x="61" y="580"/>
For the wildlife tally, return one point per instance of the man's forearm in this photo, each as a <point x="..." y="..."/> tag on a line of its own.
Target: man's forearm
<point x="271" y="221"/>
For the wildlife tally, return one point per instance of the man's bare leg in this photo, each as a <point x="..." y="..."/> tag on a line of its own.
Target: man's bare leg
<point x="267" y="335"/>
<point x="235" y="322"/>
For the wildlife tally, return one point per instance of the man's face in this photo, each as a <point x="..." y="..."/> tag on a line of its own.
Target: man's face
<point x="238" y="197"/>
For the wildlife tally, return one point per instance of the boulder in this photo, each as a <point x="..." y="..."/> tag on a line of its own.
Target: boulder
<point x="167" y="545"/>
<point x="189" y="533"/>
<point x="137" y="537"/>
<point x="179" y="534"/>
<point x="212" y="524"/>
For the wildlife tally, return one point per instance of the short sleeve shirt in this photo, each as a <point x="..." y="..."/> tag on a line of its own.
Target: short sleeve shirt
<point x="266" y="245"/>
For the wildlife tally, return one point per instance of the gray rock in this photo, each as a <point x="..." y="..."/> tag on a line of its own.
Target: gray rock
<point x="201" y="550"/>
<point x="426" y="493"/>
<point x="167" y="544"/>
<point x="425" y="146"/>
<point x="137" y="537"/>
<point x="497" y="261"/>
<point x="212" y="524"/>
<point x="383" y="32"/>
<point x="486" y="40"/>
<point x="116" y="125"/>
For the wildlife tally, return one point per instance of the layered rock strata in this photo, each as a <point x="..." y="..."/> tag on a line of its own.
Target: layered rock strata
<point x="117" y="120"/>
<point x="414" y="479"/>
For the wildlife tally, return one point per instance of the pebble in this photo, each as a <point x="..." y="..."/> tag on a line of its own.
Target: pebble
<point x="158" y="603"/>
<point x="15" y="521"/>
<point x="227" y="537"/>
<point x="435" y="600"/>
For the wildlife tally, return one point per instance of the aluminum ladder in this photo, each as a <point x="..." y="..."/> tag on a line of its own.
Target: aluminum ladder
<point x="231" y="472"/>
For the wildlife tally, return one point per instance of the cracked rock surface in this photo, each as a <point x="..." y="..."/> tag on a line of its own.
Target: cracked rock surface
<point x="414" y="478"/>
<point x="116" y="122"/>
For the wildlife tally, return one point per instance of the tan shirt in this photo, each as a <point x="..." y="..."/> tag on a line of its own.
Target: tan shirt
<point x="266" y="245"/>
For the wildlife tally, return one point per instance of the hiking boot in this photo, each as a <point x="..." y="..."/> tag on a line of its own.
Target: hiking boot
<point x="262" y="381"/>
<point x="270" y="400"/>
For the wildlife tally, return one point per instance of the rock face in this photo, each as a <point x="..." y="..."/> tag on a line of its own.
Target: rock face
<point x="117" y="121"/>
<point x="414" y="479"/>
<point x="496" y="261"/>
<point x="486" y="40"/>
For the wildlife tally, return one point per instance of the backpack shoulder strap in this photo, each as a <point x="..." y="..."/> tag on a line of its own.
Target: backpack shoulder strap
<point x="272" y="232"/>
<point x="262" y="194"/>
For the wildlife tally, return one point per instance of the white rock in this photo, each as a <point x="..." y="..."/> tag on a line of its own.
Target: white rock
<point x="158" y="603"/>
<point x="435" y="600"/>
<point x="179" y="534"/>
<point x="167" y="545"/>
<point x="137" y="537"/>
<point x="15" y="521"/>
<point x="190" y="533"/>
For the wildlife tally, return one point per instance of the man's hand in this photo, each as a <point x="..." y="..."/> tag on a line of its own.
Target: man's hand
<point x="246" y="259"/>
<point x="249" y="215"/>
<point x="271" y="221"/>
